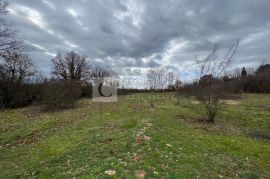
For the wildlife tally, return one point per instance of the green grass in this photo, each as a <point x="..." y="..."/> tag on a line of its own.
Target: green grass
<point x="131" y="138"/>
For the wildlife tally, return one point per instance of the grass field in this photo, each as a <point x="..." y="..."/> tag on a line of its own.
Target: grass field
<point x="129" y="139"/>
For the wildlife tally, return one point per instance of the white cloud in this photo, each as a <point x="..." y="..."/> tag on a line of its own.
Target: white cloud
<point x="73" y="12"/>
<point x="41" y="48"/>
<point x="30" y="14"/>
<point x="49" y="4"/>
<point x="70" y="44"/>
<point x="175" y="47"/>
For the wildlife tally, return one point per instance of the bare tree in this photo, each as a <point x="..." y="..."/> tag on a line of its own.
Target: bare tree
<point x="177" y="86"/>
<point x="235" y="73"/>
<point x="171" y="79"/>
<point x="152" y="79"/>
<point x="3" y="7"/>
<point x="156" y="78"/>
<point x="178" y="83"/>
<point x="101" y="72"/>
<point x="160" y="78"/>
<point x="210" y="87"/>
<point x="9" y="40"/>
<point x="16" y="67"/>
<point x="71" y="66"/>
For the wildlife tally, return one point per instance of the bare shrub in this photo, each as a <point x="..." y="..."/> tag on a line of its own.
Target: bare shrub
<point x="210" y="87"/>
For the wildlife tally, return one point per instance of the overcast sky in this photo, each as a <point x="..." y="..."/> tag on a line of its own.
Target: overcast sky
<point x="132" y="35"/>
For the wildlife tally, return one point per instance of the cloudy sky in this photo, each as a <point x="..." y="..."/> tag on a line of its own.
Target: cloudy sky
<point x="132" y="35"/>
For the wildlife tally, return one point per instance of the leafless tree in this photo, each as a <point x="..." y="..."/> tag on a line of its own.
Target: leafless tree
<point x="9" y="40"/>
<point x="3" y="7"/>
<point x="16" y="67"/>
<point x="177" y="86"/>
<point x="71" y="66"/>
<point x="171" y="79"/>
<point x="101" y="72"/>
<point x="178" y="83"/>
<point x="151" y="79"/>
<point x="160" y="78"/>
<point x="235" y="73"/>
<point x="210" y="87"/>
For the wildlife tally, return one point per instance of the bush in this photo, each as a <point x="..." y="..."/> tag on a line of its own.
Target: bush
<point x="60" y="94"/>
<point x="86" y="90"/>
<point x="14" y="95"/>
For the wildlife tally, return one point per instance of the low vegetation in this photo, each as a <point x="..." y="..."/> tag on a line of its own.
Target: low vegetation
<point x="131" y="139"/>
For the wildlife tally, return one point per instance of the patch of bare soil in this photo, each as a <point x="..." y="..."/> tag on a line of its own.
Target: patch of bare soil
<point x="31" y="138"/>
<point x="136" y="158"/>
<point x="259" y="136"/>
<point x="32" y="112"/>
<point x="137" y="140"/>
<point x="110" y="126"/>
<point x="135" y="107"/>
<point x="140" y="174"/>
<point x="224" y="101"/>
<point x="146" y="138"/>
<point x="183" y="118"/>
<point x="106" y="141"/>
<point x="201" y="123"/>
<point x="230" y="102"/>
<point x="232" y="97"/>
<point x="195" y="102"/>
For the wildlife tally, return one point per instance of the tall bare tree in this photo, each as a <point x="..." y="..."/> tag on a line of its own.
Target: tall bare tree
<point x="16" y="67"/>
<point x="9" y="40"/>
<point x="171" y="79"/>
<point x="210" y="87"/>
<point x="71" y="66"/>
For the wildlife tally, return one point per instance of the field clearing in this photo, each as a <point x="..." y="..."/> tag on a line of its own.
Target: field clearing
<point x="131" y="139"/>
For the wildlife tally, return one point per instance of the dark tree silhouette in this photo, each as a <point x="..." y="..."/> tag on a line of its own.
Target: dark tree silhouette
<point x="263" y="69"/>
<point x="71" y="66"/>
<point x="101" y="72"/>
<point x="244" y="73"/>
<point x="263" y="78"/>
<point x="16" y="67"/>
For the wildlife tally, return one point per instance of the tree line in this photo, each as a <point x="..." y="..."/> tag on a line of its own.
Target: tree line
<point x="71" y="79"/>
<point x="21" y="83"/>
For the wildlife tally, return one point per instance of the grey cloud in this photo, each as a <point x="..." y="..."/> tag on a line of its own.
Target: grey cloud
<point x="122" y="33"/>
